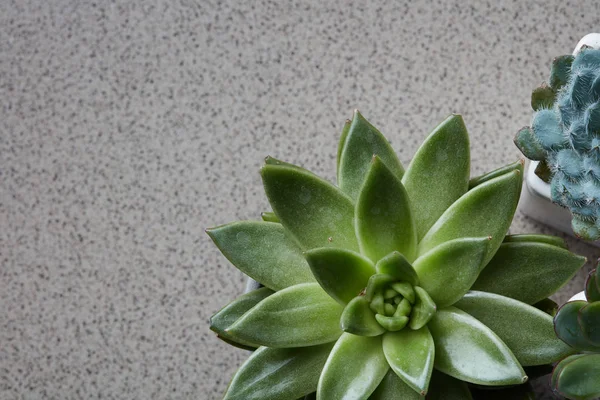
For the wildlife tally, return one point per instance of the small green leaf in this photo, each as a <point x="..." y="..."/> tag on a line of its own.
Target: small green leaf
<point x="423" y="310"/>
<point x="396" y="265"/>
<point x="548" y="306"/>
<point x="392" y="324"/>
<point x="298" y="316"/>
<point x="478" y="180"/>
<point x="592" y="287"/>
<point x="361" y="143"/>
<point x="527" y="331"/>
<point x="589" y="321"/>
<point x="566" y="326"/>
<point x="559" y="367"/>
<point x="343" y="274"/>
<point x="358" y="318"/>
<point x="444" y="387"/>
<point x="262" y="251"/>
<point x="234" y="310"/>
<point x="269" y="217"/>
<point x="487" y="209"/>
<point x="438" y="173"/>
<point x="411" y="354"/>
<point x="470" y="351"/>
<point x="341" y="144"/>
<point x="352" y="374"/>
<point x="543" y="171"/>
<point x="392" y="387"/>
<point x="580" y="378"/>
<point x="405" y="289"/>
<point x="383" y="216"/>
<point x="536" y="238"/>
<point x="279" y="374"/>
<point x="561" y="70"/>
<point x="541" y="98"/>
<point x="449" y="270"/>
<point x="314" y="211"/>
<point x="528" y="271"/>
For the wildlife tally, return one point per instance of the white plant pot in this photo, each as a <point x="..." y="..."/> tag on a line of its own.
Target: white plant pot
<point x="536" y="200"/>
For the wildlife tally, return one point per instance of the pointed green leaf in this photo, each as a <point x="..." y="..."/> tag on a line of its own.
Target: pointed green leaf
<point x="315" y="212"/>
<point x="589" y="321"/>
<point x="438" y="173"/>
<point x="444" y="387"/>
<point x="527" y="331"/>
<point x="343" y="274"/>
<point x="449" y="270"/>
<point x="411" y="354"/>
<point x="485" y="210"/>
<point x="269" y="217"/>
<point x="392" y="387"/>
<point x="273" y="161"/>
<point x="358" y="318"/>
<point x="351" y="374"/>
<point x="396" y="265"/>
<point x="361" y="143"/>
<point x="262" y="251"/>
<point x="383" y="216"/>
<point x="592" y="286"/>
<point x="528" y="271"/>
<point x="298" y="316"/>
<point x="580" y="378"/>
<point x="566" y="326"/>
<point x="478" y="180"/>
<point x="341" y="145"/>
<point x="279" y="374"/>
<point x="470" y="351"/>
<point x="234" y="310"/>
<point x="536" y="238"/>
<point x="423" y="309"/>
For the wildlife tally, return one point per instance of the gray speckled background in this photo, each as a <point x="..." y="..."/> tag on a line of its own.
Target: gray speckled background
<point x="126" y="128"/>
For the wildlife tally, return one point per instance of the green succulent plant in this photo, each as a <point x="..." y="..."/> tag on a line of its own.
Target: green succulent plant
<point x="395" y="283"/>
<point x="577" y="323"/>
<point x="565" y="137"/>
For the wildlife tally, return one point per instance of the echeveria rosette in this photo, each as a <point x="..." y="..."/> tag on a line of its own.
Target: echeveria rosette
<point x="577" y="323"/>
<point x="565" y="137"/>
<point x="391" y="280"/>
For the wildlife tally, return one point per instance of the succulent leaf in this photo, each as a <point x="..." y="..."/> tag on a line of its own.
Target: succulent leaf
<point x="589" y="321"/>
<point x="341" y="144"/>
<point x="488" y="208"/>
<point x="315" y="212"/>
<point x="410" y="354"/>
<point x="269" y="217"/>
<point x="423" y="310"/>
<point x="444" y="387"/>
<point x="360" y="144"/>
<point x="542" y="97"/>
<point x="543" y="171"/>
<point x="516" y="269"/>
<point x="353" y="374"/>
<point x="527" y="331"/>
<point x="478" y="180"/>
<point x="548" y="306"/>
<point x="359" y="319"/>
<point x="526" y="141"/>
<point x="449" y="270"/>
<point x="298" y="316"/>
<point x="578" y="377"/>
<point x="559" y="367"/>
<point x="567" y="328"/>
<point x="536" y="238"/>
<point x="392" y="387"/>
<point x="384" y="221"/>
<point x="434" y="180"/>
<point x="561" y="68"/>
<point x="592" y="286"/>
<point x="396" y="265"/>
<point x="341" y="273"/>
<point x="468" y="350"/>
<point x="279" y="374"/>
<point x="262" y="251"/>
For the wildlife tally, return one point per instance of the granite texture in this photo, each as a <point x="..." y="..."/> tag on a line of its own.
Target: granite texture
<point x="127" y="128"/>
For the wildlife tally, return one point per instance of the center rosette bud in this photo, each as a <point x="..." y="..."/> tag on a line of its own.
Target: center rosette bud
<point x="391" y="301"/>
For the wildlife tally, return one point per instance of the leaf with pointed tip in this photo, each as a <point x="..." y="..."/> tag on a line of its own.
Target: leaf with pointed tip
<point x="536" y="238"/>
<point x="234" y="310"/>
<point x="487" y="209"/>
<point x="566" y="326"/>
<point x="444" y="387"/>
<point x="392" y="387"/>
<point x="423" y="309"/>
<point x="358" y="318"/>
<point x="589" y="321"/>
<point x="470" y="351"/>
<point x="279" y="374"/>
<point x="262" y="251"/>
<point x="592" y="287"/>
<point x="543" y="171"/>
<point x="410" y="355"/>
<point x="273" y="161"/>
<point x="528" y="271"/>
<point x="314" y="211"/>
<point x="449" y="270"/>
<point x="579" y="378"/>
<point x="352" y="374"/>
<point x="343" y="274"/>
<point x="396" y="265"/>
<point x="478" y="180"/>
<point x="269" y="217"/>
<point x="383" y="217"/>
<point x="527" y="331"/>
<point x="438" y="173"/>
<point x="341" y="144"/>
<point x="298" y="316"/>
<point x="361" y="143"/>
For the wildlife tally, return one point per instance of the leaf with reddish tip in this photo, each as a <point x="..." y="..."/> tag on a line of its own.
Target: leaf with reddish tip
<point x="578" y="377"/>
<point x="566" y="326"/>
<point x="592" y="286"/>
<point x="589" y="321"/>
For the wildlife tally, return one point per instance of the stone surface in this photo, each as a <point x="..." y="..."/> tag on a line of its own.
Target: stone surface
<point x="126" y="128"/>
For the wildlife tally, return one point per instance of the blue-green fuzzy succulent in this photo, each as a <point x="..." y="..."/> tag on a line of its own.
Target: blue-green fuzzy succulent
<point x="565" y="136"/>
